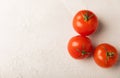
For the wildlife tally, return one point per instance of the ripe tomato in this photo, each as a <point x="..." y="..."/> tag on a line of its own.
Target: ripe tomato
<point x="85" y="22"/>
<point x="80" y="47"/>
<point x="105" y="55"/>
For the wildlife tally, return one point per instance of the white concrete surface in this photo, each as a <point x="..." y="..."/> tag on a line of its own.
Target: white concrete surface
<point x="34" y="36"/>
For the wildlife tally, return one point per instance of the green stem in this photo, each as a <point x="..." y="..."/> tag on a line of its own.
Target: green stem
<point x="87" y="17"/>
<point x="110" y="54"/>
<point x="83" y="52"/>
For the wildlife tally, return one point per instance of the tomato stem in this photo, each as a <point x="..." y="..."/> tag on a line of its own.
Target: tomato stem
<point x="110" y="54"/>
<point x="83" y="52"/>
<point x="87" y="17"/>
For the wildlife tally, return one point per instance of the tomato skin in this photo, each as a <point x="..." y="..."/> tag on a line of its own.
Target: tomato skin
<point x="80" y="47"/>
<point x="101" y="55"/>
<point x="85" y="26"/>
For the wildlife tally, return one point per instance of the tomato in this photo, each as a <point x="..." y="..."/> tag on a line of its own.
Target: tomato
<point x="85" y="22"/>
<point x="105" y="55"/>
<point x="80" y="47"/>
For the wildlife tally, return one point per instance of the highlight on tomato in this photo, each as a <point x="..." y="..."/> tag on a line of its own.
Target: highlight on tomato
<point x="105" y="55"/>
<point x="85" y="22"/>
<point x="80" y="47"/>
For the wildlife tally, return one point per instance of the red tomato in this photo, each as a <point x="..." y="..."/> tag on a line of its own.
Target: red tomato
<point x="85" y="22"/>
<point x="105" y="55"/>
<point x="80" y="47"/>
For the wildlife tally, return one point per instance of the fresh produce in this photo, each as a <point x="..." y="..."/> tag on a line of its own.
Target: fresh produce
<point x="85" y="22"/>
<point x="80" y="47"/>
<point x="105" y="55"/>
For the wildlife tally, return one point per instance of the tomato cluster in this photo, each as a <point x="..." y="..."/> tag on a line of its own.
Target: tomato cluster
<point x="85" y="23"/>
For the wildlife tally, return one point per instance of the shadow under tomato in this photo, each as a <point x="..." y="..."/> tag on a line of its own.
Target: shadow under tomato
<point x="100" y="29"/>
<point x="118" y="62"/>
<point x="97" y="34"/>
